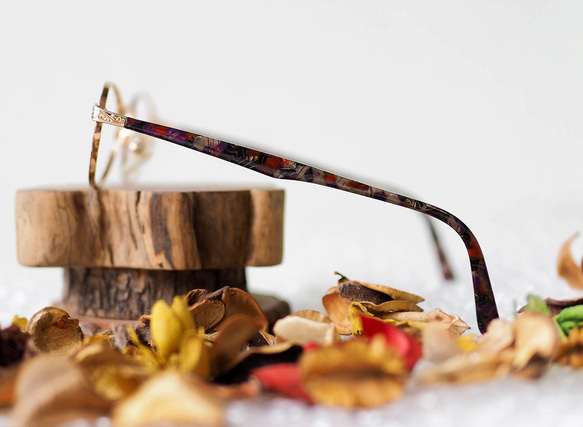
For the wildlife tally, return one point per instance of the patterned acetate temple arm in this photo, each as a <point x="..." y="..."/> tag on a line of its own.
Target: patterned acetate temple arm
<point x="282" y="168"/>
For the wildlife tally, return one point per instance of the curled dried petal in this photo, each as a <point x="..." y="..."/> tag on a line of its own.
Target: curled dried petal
<point x="301" y="330"/>
<point x="567" y="268"/>
<point x="208" y="313"/>
<point x="498" y="337"/>
<point x="536" y="335"/>
<point x="235" y="302"/>
<point x="452" y="323"/>
<point x="337" y="309"/>
<point x="52" y="330"/>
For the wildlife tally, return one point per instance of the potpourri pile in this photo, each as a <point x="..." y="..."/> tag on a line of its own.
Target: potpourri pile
<point x="183" y="362"/>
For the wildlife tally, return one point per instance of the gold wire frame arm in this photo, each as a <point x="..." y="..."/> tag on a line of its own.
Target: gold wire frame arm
<point x="100" y="115"/>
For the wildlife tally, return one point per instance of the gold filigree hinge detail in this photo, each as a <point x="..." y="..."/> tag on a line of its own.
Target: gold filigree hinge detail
<point x="102" y="115"/>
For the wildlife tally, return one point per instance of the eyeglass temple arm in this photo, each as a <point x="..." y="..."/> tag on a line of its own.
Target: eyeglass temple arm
<point x="281" y="168"/>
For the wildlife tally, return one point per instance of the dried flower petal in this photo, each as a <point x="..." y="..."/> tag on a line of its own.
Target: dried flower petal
<point x="567" y="268"/>
<point x="337" y="308"/>
<point x="498" y="337"/>
<point x="168" y="324"/>
<point x="283" y="378"/>
<point x="112" y="375"/>
<point x="231" y="340"/>
<point x="301" y="330"/>
<point x="194" y="355"/>
<point x="52" y="330"/>
<point x="236" y="302"/>
<point x="354" y="373"/>
<point x="208" y="313"/>
<point x="466" y="368"/>
<point x="438" y="344"/>
<point x="536" y="335"/>
<point x="21" y="322"/>
<point x="571" y="351"/>
<point x="452" y="323"/>
<point x="378" y="299"/>
<point x="405" y="345"/>
<point x="170" y="398"/>
<point x="52" y="390"/>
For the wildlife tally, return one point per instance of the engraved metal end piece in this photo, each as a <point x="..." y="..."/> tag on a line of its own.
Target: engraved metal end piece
<point x="101" y="115"/>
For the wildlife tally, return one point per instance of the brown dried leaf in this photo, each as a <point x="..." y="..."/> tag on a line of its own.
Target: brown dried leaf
<point x="567" y="268"/>
<point x="170" y="398"/>
<point x="52" y="330"/>
<point x="208" y="313"/>
<point x="232" y="339"/>
<point x="236" y="302"/>
<point x="239" y="302"/>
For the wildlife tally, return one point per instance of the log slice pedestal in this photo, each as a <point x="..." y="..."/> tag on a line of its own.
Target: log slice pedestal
<point x="123" y="249"/>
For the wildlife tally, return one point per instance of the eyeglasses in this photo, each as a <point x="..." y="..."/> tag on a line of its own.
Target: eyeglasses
<point x="282" y="168"/>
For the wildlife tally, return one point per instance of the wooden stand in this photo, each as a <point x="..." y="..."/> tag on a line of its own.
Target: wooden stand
<point x="123" y="249"/>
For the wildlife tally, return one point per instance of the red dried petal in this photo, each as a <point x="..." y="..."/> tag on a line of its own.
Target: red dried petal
<point x="406" y="345"/>
<point x="283" y="378"/>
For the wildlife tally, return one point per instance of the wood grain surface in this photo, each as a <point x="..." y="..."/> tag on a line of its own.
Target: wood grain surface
<point x="149" y="229"/>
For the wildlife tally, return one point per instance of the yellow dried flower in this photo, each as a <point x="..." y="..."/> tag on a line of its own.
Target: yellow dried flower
<point x="178" y="344"/>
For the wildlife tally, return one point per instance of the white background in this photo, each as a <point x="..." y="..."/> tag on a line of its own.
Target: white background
<point x="475" y="107"/>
